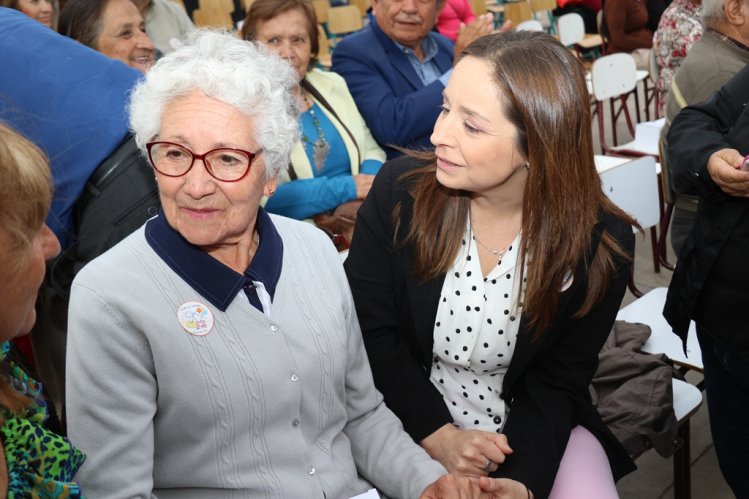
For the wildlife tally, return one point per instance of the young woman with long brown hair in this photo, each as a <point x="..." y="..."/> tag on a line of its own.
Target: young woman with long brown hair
<point x="487" y="276"/>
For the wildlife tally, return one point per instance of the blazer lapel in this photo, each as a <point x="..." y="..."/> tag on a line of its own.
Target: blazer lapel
<point x="526" y="347"/>
<point x="397" y="59"/>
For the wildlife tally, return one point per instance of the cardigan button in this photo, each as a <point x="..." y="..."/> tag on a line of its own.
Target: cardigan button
<point x="273" y="328"/>
<point x="497" y="420"/>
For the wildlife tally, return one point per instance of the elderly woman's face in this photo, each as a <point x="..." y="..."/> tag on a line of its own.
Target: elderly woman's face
<point x="288" y="36"/>
<point x="39" y="10"/>
<point x="123" y="35"/>
<point x="207" y="212"/>
<point x="19" y="290"/>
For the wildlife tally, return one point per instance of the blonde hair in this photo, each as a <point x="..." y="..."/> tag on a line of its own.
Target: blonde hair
<point x="26" y="191"/>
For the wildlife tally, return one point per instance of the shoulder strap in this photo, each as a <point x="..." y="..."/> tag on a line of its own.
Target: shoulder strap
<point x="306" y="85"/>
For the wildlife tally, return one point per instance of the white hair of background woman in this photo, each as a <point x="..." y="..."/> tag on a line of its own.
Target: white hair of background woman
<point x="239" y="73"/>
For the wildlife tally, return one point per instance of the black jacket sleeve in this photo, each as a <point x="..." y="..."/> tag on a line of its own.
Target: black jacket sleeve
<point x="702" y="129"/>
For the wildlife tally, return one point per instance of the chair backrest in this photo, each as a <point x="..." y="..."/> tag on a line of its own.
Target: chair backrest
<point x="323" y="54"/>
<point x="517" y="12"/>
<point x="321" y="10"/>
<point x="479" y="7"/>
<point x="571" y="29"/>
<point x="613" y="75"/>
<point x="543" y="5"/>
<point x="530" y="25"/>
<point x="344" y="19"/>
<point x="215" y="17"/>
<point x="633" y="187"/>
<point x="363" y="6"/>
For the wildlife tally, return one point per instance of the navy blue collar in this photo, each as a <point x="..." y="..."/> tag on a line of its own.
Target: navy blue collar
<point x="212" y="279"/>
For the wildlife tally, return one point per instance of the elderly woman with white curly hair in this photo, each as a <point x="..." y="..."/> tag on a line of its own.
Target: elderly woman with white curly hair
<point x="216" y="351"/>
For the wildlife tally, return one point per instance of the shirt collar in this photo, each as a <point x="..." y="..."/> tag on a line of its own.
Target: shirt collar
<point x="215" y="281"/>
<point x="728" y="39"/>
<point x="428" y="46"/>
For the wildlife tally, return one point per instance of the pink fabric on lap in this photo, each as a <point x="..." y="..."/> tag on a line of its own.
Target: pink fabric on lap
<point x="584" y="472"/>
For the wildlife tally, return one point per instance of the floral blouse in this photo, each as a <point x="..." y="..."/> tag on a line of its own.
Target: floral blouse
<point x="679" y="27"/>
<point x="41" y="464"/>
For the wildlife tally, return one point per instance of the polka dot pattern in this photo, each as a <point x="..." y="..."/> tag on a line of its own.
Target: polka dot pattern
<point x="474" y="336"/>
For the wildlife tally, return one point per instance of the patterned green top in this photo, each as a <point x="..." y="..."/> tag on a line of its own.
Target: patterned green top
<point x="41" y="464"/>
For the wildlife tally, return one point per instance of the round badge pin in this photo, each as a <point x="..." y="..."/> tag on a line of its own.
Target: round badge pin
<point x="195" y="318"/>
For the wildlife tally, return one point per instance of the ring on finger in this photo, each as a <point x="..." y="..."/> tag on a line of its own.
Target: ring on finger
<point x="489" y="466"/>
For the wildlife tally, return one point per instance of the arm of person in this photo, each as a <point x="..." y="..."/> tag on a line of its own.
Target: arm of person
<point x="372" y="155"/>
<point x="382" y="310"/>
<point x="549" y="394"/>
<point x="111" y="398"/>
<point x="616" y="20"/>
<point x="392" y="119"/>
<point x="304" y="198"/>
<point x="383" y="452"/>
<point x="699" y="131"/>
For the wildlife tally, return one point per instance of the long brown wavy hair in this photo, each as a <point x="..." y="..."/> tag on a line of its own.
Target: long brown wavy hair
<point x="542" y="89"/>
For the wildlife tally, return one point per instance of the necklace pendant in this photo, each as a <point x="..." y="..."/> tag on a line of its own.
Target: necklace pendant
<point x="321" y="149"/>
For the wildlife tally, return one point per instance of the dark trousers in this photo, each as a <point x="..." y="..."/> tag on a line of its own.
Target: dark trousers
<point x="727" y="391"/>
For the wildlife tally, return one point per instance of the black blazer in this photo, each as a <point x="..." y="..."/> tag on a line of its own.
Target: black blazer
<point x="696" y="133"/>
<point x="546" y="385"/>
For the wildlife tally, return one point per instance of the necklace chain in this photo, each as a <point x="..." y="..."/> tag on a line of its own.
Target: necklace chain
<point x="499" y="253"/>
<point x="320" y="147"/>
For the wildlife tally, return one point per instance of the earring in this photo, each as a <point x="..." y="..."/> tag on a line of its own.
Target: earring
<point x="526" y="165"/>
<point x="273" y="191"/>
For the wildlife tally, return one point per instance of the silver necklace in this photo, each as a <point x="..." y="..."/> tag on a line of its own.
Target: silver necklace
<point x="499" y="253"/>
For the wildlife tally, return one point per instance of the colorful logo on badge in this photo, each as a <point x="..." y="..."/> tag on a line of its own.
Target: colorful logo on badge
<point x="195" y="318"/>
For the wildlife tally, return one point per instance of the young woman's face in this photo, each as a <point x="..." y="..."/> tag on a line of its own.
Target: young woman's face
<point x="38" y="10"/>
<point x="475" y="144"/>
<point x="123" y="35"/>
<point x="19" y="290"/>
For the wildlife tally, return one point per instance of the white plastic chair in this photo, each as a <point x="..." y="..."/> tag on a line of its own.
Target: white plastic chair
<point x="687" y="397"/>
<point x="571" y="29"/>
<point x="648" y="309"/>
<point x="633" y="187"/>
<point x="530" y="25"/>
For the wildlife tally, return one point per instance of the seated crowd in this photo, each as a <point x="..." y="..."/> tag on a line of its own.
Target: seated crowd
<point x="218" y="346"/>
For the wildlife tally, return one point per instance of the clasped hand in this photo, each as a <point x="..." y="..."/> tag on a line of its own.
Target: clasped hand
<point x="467" y="452"/>
<point x="461" y="487"/>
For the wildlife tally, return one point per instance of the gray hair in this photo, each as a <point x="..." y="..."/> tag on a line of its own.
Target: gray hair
<point x="239" y="73"/>
<point x="712" y="11"/>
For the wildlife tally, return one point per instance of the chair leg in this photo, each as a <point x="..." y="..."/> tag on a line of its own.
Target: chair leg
<point x="614" y="115"/>
<point x="682" y="462"/>
<point x="631" y="283"/>
<point x="662" y="240"/>
<point x="654" y="248"/>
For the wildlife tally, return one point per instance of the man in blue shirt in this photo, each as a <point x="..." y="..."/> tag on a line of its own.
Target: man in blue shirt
<point x="396" y="69"/>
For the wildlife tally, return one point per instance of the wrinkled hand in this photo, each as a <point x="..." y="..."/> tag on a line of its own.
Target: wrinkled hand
<point x="723" y="167"/>
<point x="460" y="487"/>
<point x="466" y="451"/>
<point x="477" y="28"/>
<point x="363" y="183"/>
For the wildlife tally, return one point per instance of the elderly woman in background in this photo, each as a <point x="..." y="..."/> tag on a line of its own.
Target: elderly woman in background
<point x="35" y="462"/>
<point x="487" y="280"/>
<point x="337" y="157"/>
<point x="680" y="26"/>
<point x="113" y="27"/>
<point x="44" y="11"/>
<point x="216" y="350"/>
